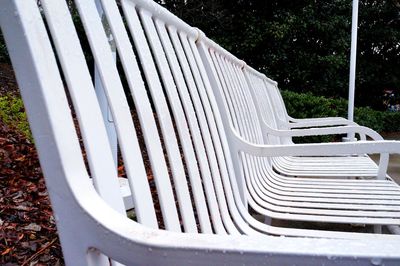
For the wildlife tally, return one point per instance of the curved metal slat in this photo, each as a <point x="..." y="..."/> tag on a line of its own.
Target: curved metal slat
<point x="164" y="188"/>
<point x="85" y="102"/>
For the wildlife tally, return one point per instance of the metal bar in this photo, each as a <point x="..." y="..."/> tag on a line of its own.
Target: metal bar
<point x="105" y="109"/>
<point x="353" y="55"/>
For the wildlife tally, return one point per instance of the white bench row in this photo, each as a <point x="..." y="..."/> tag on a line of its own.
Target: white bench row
<point x="207" y="130"/>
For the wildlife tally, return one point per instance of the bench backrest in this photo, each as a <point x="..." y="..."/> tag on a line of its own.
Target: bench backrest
<point x="161" y="81"/>
<point x="161" y="91"/>
<point x="264" y="92"/>
<point x="277" y="104"/>
<point x="232" y="91"/>
<point x="244" y="92"/>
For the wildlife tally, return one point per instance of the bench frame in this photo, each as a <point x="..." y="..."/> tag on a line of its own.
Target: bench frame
<point x="87" y="225"/>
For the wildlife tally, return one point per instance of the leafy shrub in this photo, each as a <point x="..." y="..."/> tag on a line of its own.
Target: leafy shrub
<point x="307" y="105"/>
<point x="12" y="113"/>
<point x="391" y="121"/>
<point x="368" y="117"/>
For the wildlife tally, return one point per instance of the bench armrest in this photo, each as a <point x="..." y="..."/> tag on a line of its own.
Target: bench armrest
<point x="363" y="131"/>
<point x="316" y="122"/>
<point x="319" y="119"/>
<point x="320" y="123"/>
<point x="321" y="149"/>
<point x="382" y="147"/>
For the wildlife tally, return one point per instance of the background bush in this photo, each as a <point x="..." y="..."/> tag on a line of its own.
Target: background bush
<point x="306" y="105"/>
<point x="305" y="45"/>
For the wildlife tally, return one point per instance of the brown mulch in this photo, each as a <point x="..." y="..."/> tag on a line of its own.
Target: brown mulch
<point x="28" y="234"/>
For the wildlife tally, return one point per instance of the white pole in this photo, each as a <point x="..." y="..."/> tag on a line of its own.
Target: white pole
<point x="353" y="55"/>
<point x="107" y="116"/>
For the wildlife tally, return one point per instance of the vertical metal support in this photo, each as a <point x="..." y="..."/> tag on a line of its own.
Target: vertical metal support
<point x="107" y="116"/>
<point x="106" y="112"/>
<point x="353" y="55"/>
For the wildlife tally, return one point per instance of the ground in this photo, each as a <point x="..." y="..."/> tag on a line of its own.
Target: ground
<point x="28" y="234"/>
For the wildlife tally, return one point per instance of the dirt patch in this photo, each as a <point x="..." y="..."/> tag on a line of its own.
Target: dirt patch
<point x="8" y="84"/>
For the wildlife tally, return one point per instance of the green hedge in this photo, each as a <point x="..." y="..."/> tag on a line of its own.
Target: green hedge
<point x="306" y="105"/>
<point x="12" y="114"/>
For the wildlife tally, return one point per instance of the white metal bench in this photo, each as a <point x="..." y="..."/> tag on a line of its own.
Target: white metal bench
<point x="354" y="166"/>
<point x="196" y="157"/>
<point x="284" y="120"/>
<point x="285" y="198"/>
<point x="338" y="166"/>
<point x="266" y="94"/>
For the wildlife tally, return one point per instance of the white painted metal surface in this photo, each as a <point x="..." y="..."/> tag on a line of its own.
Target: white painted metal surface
<point x="268" y="186"/>
<point x="284" y="119"/>
<point x="356" y="166"/>
<point x="215" y="160"/>
<point x="353" y="56"/>
<point x="105" y="110"/>
<point x="339" y="167"/>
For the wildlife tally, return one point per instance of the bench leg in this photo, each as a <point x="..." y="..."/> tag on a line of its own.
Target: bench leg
<point x="94" y="257"/>
<point x="394" y="229"/>
<point x="74" y="255"/>
<point x="267" y="220"/>
<point x="378" y="229"/>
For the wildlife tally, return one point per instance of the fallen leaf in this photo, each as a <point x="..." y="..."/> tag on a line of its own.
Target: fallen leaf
<point x="6" y="251"/>
<point x="33" y="227"/>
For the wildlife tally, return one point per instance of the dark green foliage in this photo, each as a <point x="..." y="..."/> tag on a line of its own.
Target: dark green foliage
<point x="391" y="122"/>
<point x="306" y="105"/>
<point x="368" y="117"/>
<point x="305" y="44"/>
<point x="379" y="50"/>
